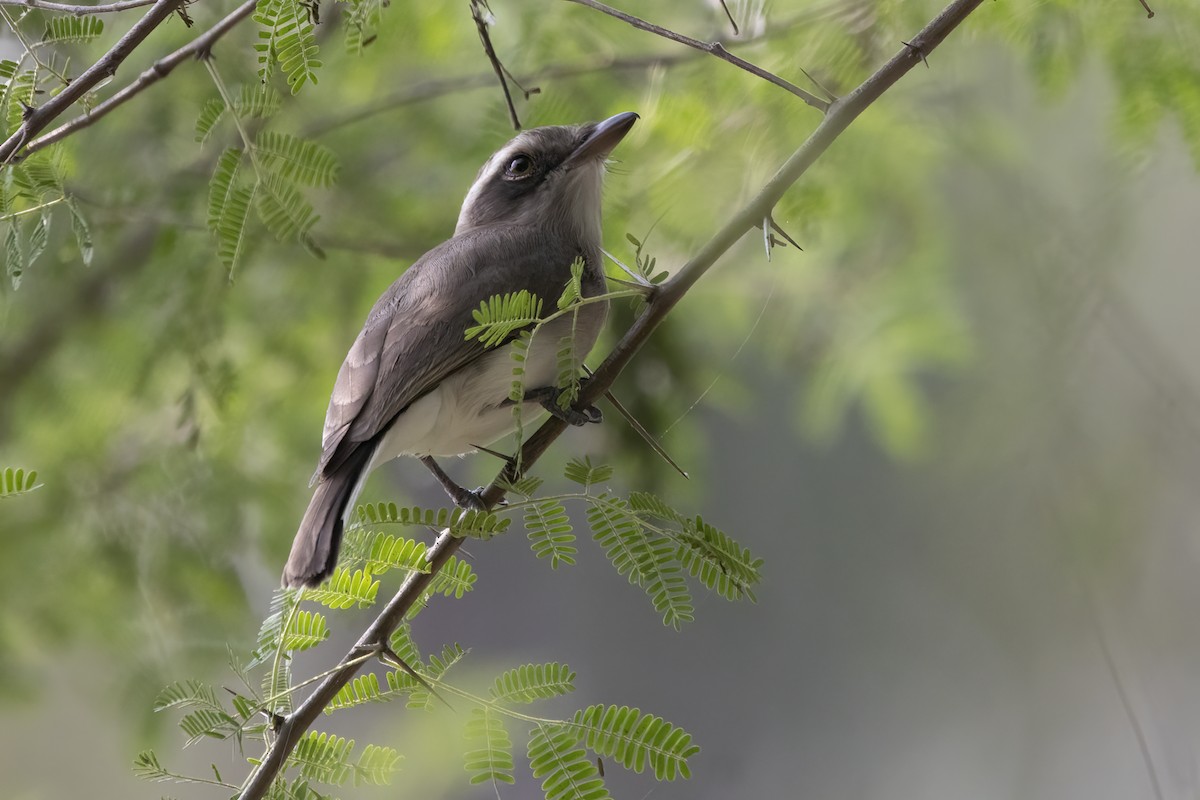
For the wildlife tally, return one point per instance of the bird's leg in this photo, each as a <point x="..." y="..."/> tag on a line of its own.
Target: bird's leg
<point x="463" y="498"/>
<point x="548" y="396"/>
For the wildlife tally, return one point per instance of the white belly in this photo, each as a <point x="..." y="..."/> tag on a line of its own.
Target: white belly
<point x="471" y="407"/>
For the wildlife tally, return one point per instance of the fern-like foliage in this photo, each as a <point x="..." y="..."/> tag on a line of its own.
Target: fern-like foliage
<point x="286" y="37"/>
<point x="18" y="95"/>
<point x="376" y="765"/>
<point x="646" y="558"/>
<point x="361" y="22"/>
<point x="275" y="685"/>
<point x="82" y="233"/>
<point x="490" y="755"/>
<point x="634" y="739"/>
<point x="284" y="211"/>
<point x="518" y="353"/>
<point x="323" y="757"/>
<point x="435" y="669"/>
<point x="568" y="358"/>
<point x="326" y="758"/>
<point x="560" y="761"/>
<point x="301" y="160"/>
<point x="472" y="523"/>
<point x="214" y="723"/>
<point x="17" y="481"/>
<point x="454" y="579"/>
<point x="479" y="524"/>
<point x="530" y="682"/>
<point x="346" y="589"/>
<point x="270" y="633"/>
<point x="719" y="562"/>
<point x="72" y="30"/>
<point x="396" y="552"/>
<point x="403" y="645"/>
<point x="28" y="193"/>
<point x="251" y="101"/>
<point x="498" y="318"/>
<point x="307" y="630"/>
<point x="363" y="689"/>
<point x="189" y="694"/>
<point x="229" y="207"/>
<point x="207" y="717"/>
<point x="585" y="473"/>
<point x="14" y="256"/>
<point x="549" y="531"/>
<point x="147" y="767"/>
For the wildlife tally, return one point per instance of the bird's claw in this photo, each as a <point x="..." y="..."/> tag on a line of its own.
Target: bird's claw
<point x="548" y="397"/>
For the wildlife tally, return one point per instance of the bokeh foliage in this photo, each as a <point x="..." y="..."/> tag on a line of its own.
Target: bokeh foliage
<point x="169" y="390"/>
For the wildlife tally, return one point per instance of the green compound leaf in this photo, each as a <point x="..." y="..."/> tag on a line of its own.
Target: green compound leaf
<point x="376" y="765"/>
<point x="308" y="629"/>
<point x="719" y="562"/>
<point x="323" y="757"/>
<point x="563" y="765"/>
<point x="345" y="589"/>
<point x="530" y="682"/>
<point x="72" y="30"/>
<point x="549" y="531"/>
<point x="300" y="160"/>
<point x="17" y="481"/>
<point x="490" y="756"/>
<point x="587" y="474"/>
<point x="501" y="316"/>
<point x="634" y="739"/>
<point x="646" y="558"/>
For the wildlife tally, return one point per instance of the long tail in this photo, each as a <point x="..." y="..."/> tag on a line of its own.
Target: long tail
<point x="315" y="548"/>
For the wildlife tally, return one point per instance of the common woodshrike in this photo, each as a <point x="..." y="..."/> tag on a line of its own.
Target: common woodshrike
<point x="412" y="383"/>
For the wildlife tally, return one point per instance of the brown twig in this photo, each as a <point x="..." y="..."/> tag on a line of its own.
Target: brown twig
<point x="478" y="7"/>
<point x="37" y="119"/>
<point x="732" y="22"/>
<point x="440" y="87"/>
<point x="198" y="47"/>
<point x="78" y="10"/>
<point x="1149" y="12"/>
<point x="712" y="48"/>
<point x="840" y="115"/>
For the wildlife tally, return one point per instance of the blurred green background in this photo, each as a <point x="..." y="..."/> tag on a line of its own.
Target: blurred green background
<point x="961" y="426"/>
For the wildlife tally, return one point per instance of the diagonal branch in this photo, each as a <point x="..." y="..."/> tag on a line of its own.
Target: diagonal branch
<point x="198" y="47"/>
<point x="712" y="48"/>
<point x="79" y="11"/>
<point x="841" y="114"/>
<point x="39" y="118"/>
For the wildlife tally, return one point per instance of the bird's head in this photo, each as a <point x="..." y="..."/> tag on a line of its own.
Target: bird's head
<point x="547" y="176"/>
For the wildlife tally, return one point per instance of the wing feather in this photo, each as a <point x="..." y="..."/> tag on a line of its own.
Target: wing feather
<point x="414" y="336"/>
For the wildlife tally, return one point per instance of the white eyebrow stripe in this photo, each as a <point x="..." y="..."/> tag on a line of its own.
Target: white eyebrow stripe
<point x="485" y="173"/>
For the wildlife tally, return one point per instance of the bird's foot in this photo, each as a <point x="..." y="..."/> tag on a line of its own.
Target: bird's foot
<point x="548" y="397"/>
<point x="469" y="499"/>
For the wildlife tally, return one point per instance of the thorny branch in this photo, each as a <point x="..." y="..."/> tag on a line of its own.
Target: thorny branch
<point x="198" y="47"/>
<point x="77" y="10"/>
<point x="840" y="114"/>
<point x="712" y="48"/>
<point x="38" y="118"/>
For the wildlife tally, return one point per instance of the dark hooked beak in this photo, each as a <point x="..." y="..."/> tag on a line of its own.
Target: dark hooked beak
<point x="601" y="141"/>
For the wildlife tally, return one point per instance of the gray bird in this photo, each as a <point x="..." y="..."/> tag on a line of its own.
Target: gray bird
<point x="412" y="384"/>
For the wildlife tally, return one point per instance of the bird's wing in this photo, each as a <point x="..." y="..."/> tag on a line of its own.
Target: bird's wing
<point x="414" y="336"/>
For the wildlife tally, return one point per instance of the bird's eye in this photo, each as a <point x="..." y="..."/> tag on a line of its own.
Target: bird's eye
<point x="519" y="166"/>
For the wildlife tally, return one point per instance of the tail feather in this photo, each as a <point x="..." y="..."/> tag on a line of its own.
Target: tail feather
<point x="319" y="538"/>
